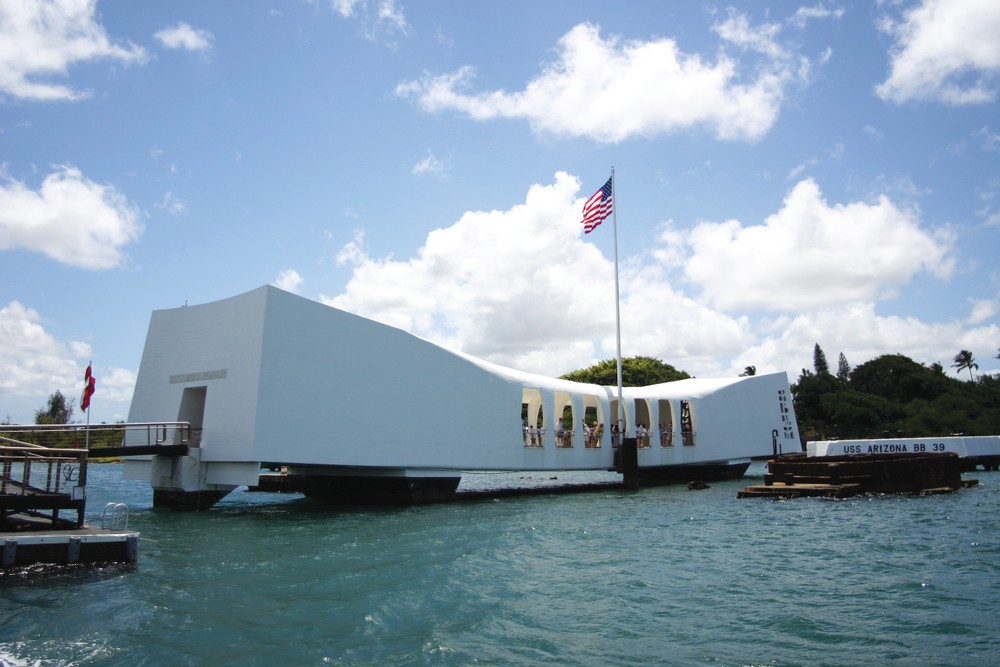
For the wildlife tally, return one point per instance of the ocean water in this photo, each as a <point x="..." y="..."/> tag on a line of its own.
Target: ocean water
<point x="658" y="576"/>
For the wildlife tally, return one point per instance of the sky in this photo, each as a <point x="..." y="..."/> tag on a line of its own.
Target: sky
<point x="786" y="175"/>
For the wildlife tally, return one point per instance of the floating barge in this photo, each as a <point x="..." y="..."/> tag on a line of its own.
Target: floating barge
<point x="799" y="475"/>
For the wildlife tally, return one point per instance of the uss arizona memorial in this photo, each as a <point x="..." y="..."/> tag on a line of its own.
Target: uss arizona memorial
<point x="358" y="411"/>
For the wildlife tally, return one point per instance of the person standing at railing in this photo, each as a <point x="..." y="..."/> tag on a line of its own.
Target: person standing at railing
<point x="642" y="435"/>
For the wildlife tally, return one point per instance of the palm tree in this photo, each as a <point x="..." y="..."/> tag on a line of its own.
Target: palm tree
<point x="749" y="371"/>
<point x="964" y="359"/>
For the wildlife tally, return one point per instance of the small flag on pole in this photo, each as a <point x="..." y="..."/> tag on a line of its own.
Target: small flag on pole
<point x="597" y="208"/>
<point x="89" y="385"/>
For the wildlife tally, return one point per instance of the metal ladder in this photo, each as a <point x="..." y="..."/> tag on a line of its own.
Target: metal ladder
<point x="115" y="517"/>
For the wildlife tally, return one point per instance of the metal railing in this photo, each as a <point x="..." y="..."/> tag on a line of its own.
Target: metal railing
<point x="35" y="480"/>
<point x="533" y="437"/>
<point x="59" y="435"/>
<point x="564" y="438"/>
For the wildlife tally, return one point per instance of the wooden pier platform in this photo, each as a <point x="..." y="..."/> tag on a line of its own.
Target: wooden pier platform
<point x="801" y="491"/>
<point x="37" y="483"/>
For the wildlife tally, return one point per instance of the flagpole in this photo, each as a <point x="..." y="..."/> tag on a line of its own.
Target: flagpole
<point x="618" y="315"/>
<point x="86" y="437"/>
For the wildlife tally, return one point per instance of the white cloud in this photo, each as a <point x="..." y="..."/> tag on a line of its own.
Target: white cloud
<point x="524" y="288"/>
<point x="873" y="132"/>
<point x="991" y="139"/>
<point x="945" y="50"/>
<point x="183" y="36"/>
<point x="34" y="364"/>
<point x="519" y="287"/>
<point x="391" y="15"/>
<point x="738" y="30"/>
<point x="380" y="19"/>
<point x="811" y="254"/>
<point x="982" y="310"/>
<point x="353" y="253"/>
<point x="345" y="7"/>
<point x="429" y="165"/>
<point x="32" y="358"/>
<point x="798" y="169"/>
<point x="70" y="218"/>
<point x="987" y="193"/>
<point x="173" y="204"/>
<point x="862" y="334"/>
<point x="610" y="90"/>
<point x="289" y="280"/>
<point x="43" y="38"/>
<point x="805" y="14"/>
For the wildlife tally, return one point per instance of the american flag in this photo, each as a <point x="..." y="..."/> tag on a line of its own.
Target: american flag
<point x="597" y="208"/>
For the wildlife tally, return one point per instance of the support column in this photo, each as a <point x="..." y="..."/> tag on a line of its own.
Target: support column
<point x="179" y="483"/>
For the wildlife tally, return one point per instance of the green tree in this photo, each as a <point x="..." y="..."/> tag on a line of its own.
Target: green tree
<point x="58" y="410"/>
<point x="636" y="372"/>
<point x="988" y="395"/>
<point x="819" y="361"/>
<point x="815" y="422"/>
<point x="749" y="371"/>
<point x="964" y="359"/>
<point x="898" y="378"/>
<point x="894" y="395"/>
<point x="843" y="369"/>
<point x="856" y="415"/>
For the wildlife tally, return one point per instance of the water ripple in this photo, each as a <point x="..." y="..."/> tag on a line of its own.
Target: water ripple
<point x="661" y="576"/>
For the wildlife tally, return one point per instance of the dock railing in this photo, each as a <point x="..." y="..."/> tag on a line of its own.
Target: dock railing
<point x="37" y="482"/>
<point x="101" y="435"/>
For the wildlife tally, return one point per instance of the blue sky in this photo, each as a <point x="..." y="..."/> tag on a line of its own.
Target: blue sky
<point x="805" y="173"/>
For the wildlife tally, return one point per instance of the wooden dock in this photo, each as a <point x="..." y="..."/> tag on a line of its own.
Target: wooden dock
<point x="794" y="490"/>
<point x="39" y="487"/>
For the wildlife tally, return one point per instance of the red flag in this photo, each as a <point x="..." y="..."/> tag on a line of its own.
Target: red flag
<point x="89" y="385"/>
<point x="597" y="208"/>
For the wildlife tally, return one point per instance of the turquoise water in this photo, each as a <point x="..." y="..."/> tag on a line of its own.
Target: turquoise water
<point x="659" y="576"/>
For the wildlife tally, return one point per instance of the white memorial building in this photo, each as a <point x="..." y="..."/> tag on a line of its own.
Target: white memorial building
<point x="358" y="411"/>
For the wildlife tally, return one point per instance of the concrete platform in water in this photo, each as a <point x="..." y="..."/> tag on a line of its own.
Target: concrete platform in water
<point x="798" y="475"/>
<point x="68" y="547"/>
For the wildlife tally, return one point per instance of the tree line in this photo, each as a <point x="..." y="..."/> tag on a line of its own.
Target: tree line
<point x="894" y="396"/>
<point x="889" y="396"/>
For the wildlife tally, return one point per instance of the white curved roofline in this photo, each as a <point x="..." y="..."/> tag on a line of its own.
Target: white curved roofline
<point x="272" y="376"/>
